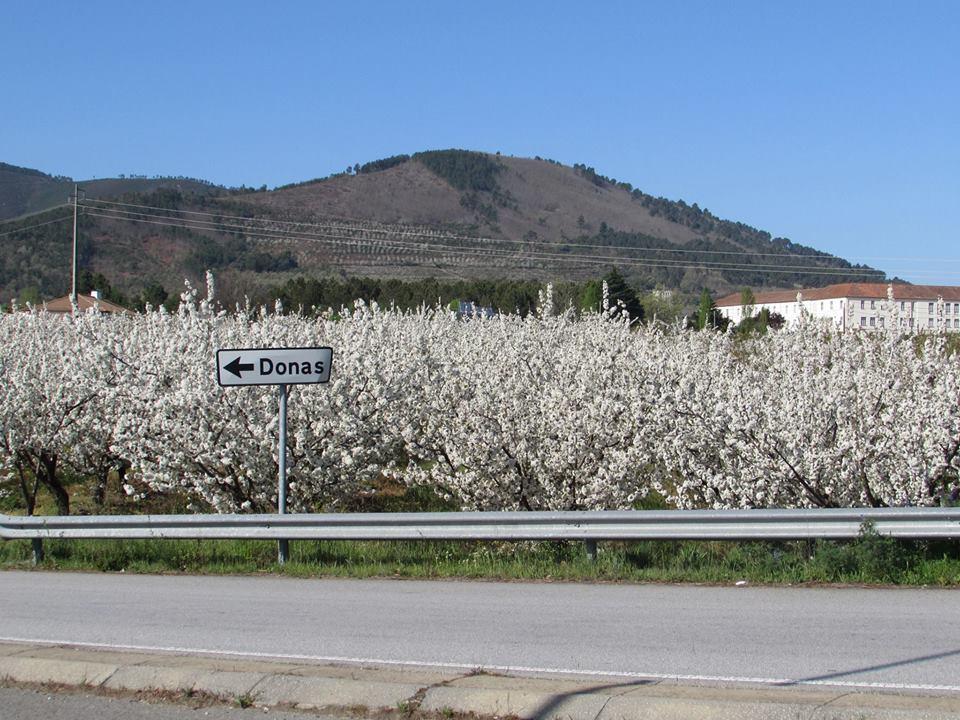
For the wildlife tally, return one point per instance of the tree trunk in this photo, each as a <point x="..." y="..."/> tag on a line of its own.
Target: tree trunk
<point x="48" y="476"/>
<point x="28" y="493"/>
<point x="99" y="493"/>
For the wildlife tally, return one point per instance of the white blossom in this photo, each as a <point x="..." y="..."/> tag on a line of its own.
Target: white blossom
<point x="543" y="412"/>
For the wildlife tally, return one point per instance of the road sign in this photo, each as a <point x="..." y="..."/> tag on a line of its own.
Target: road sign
<point x="276" y="366"/>
<point x="273" y="366"/>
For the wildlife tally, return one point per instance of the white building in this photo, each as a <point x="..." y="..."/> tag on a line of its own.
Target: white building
<point x="866" y="306"/>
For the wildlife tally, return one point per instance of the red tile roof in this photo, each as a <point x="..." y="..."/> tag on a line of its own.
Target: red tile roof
<point x="84" y="302"/>
<point x="878" y="291"/>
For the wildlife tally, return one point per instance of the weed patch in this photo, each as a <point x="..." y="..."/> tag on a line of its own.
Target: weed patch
<point x="870" y="559"/>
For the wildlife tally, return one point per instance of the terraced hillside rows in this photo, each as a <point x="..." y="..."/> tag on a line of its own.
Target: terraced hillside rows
<point x="448" y="213"/>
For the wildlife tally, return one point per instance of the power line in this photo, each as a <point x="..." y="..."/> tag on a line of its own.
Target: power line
<point x="399" y="230"/>
<point x="223" y="227"/>
<point x="666" y="262"/>
<point x="382" y="228"/>
<point x="437" y="247"/>
<point x="514" y="255"/>
<point x="21" y="218"/>
<point x="31" y="227"/>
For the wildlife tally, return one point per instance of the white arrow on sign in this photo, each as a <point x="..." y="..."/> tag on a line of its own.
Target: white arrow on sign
<point x="274" y="366"/>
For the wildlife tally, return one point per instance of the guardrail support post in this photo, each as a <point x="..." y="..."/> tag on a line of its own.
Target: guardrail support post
<point x="591" y="546"/>
<point x="283" y="546"/>
<point x="37" y="545"/>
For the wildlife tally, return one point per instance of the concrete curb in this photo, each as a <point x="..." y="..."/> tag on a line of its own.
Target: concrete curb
<point x="443" y="693"/>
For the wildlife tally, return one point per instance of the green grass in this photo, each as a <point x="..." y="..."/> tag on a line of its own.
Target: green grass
<point x="870" y="560"/>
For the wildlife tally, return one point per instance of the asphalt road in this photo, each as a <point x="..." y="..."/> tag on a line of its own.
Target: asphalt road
<point x="885" y="639"/>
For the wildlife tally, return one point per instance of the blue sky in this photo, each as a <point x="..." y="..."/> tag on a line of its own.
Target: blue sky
<point x="836" y="124"/>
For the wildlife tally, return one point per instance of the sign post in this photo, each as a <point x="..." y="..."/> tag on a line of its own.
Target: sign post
<point x="282" y="367"/>
<point x="283" y="546"/>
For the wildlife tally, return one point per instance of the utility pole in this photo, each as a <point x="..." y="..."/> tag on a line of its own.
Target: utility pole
<point x="73" y="287"/>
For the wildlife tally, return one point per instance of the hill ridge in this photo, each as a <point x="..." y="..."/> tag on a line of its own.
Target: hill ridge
<point x="452" y="212"/>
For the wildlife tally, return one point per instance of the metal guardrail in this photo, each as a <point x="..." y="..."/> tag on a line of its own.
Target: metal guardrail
<point x="918" y="523"/>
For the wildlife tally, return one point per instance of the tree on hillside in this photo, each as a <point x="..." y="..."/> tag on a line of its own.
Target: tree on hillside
<point x="761" y="322"/>
<point x="619" y="292"/>
<point x="88" y="281"/>
<point x="747" y="302"/>
<point x="708" y="316"/>
<point x="155" y="295"/>
<point x="591" y="297"/>
<point x="463" y="169"/>
<point x="663" y="306"/>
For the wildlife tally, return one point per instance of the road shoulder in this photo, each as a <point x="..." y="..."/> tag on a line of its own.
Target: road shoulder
<point x="426" y="692"/>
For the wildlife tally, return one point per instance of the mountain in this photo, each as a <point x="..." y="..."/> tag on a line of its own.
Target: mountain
<point x="24" y="191"/>
<point x="445" y="214"/>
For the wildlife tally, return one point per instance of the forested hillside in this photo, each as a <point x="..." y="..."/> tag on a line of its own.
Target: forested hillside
<point x="450" y="215"/>
<point x="24" y="191"/>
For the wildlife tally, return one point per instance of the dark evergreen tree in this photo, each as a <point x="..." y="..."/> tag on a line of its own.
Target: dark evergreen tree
<point x="621" y="292"/>
<point x="591" y="297"/>
<point x="708" y="316"/>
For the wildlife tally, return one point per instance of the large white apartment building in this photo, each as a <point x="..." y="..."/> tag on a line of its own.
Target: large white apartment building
<point x="855" y="306"/>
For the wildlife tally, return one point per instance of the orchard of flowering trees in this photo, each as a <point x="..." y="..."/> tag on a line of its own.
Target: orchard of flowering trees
<point x="545" y="412"/>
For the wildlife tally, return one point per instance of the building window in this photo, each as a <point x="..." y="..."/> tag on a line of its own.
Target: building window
<point x="902" y="306"/>
<point x="881" y="322"/>
<point x="862" y="304"/>
<point x="956" y="308"/>
<point x="863" y="321"/>
<point x="873" y="304"/>
<point x="873" y="322"/>
<point x="930" y="308"/>
<point x="956" y="323"/>
<point x="946" y="308"/>
<point x="929" y="322"/>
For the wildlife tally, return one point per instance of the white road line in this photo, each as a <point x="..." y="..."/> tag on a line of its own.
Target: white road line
<point x="519" y="669"/>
